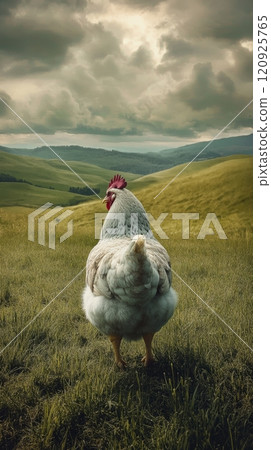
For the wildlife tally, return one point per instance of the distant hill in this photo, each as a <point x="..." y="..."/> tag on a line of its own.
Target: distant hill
<point x="240" y="145"/>
<point x="140" y="163"/>
<point x="107" y="159"/>
<point x="220" y="185"/>
<point x="30" y="181"/>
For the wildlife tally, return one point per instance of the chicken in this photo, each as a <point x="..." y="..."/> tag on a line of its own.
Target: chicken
<point x="128" y="291"/>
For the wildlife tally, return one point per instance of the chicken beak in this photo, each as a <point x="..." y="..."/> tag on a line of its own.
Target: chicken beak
<point x="104" y="200"/>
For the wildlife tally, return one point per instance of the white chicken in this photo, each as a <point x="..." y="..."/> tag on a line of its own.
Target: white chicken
<point x="128" y="291"/>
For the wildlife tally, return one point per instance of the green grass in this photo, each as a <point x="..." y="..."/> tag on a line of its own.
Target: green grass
<point x="47" y="174"/>
<point x="14" y="194"/>
<point x="60" y="387"/>
<point x="143" y="163"/>
<point x="222" y="186"/>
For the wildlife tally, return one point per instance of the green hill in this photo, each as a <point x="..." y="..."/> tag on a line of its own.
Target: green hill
<point x="221" y="185"/>
<point x="46" y="180"/>
<point x="142" y="163"/>
<point x="240" y="145"/>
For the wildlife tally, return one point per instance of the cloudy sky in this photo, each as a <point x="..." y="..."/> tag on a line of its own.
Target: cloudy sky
<point x="127" y="74"/>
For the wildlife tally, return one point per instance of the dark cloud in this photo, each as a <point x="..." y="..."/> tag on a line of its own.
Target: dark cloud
<point x="21" y="68"/>
<point x="76" y="5"/>
<point x="142" y="58"/>
<point x="207" y="90"/>
<point x="100" y="43"/>
<point x="33" y="39"/>
<point x="176" y="47"/>
<point x="144" y="4"/>
<point x="243" y="63"/>
<point x="173" y="67"/>
<point x="229" y="20"/>
<point x="117" y="131"/>
<point x="106" y="68"/>
<point x="58" y="111"/>
<point x="177" y="130"/>
<point x="46" y="41"/>
<point x="6" y="7"/>
<point x="4" y="111"/>
<point x="207" y="100"/>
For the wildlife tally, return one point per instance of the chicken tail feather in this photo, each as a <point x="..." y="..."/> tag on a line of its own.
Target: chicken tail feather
<point x="140" y="245"/>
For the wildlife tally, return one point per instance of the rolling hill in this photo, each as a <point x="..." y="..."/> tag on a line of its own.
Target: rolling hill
<point x="138" y="162"/>
<point x="48" y="179"/>
<point x="240" y="145"/>
<point x="220" y="185"/>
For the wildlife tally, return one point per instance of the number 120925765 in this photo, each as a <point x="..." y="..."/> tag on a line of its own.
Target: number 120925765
<point x="262" y="48"/>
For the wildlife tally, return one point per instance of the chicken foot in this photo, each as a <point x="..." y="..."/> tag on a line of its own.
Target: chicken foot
<point x="116" y="340"/>
<point x="148" y="359"/>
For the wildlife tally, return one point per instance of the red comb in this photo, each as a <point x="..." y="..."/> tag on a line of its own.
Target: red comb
<point x="117" y="182"/>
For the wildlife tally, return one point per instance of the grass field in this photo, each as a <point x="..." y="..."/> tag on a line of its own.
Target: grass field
<point x="51" y="179"/>
<point x="144" y="162"/>
<point x="60" y="389"/>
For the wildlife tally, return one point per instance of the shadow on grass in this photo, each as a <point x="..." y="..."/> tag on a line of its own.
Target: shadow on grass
<point x="185" y="398"/>
<point x="169" y="382"/>
<point x="179" y="402"/>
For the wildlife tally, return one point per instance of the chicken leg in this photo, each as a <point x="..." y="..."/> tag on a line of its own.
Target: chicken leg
<point x="148" y="359"/>
<point x="116" y="340"/>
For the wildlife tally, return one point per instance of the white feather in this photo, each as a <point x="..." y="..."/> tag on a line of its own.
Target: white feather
<point x="128" y="275"/>
<point x="129" y="321"/>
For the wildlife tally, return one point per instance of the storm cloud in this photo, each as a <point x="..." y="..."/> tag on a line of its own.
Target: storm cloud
<point x="125" y="68"/>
